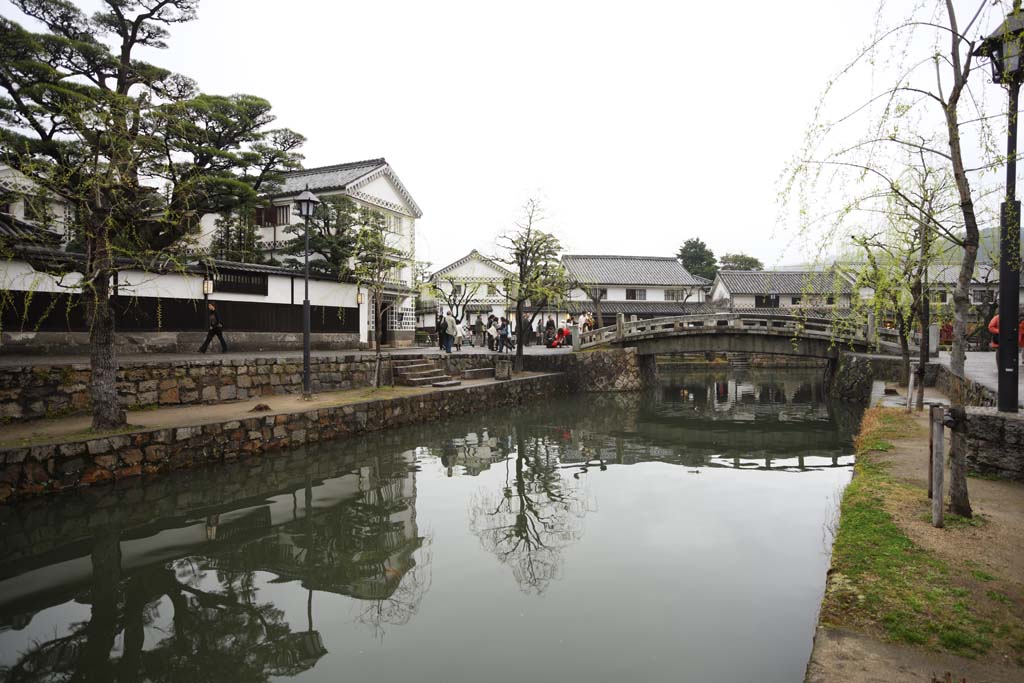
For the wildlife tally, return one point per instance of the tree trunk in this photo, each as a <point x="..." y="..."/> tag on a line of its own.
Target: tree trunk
<point x="901" y="326"/>
<point x="518" y="364"/>
<point x="106" y="410"/>
<point x="377" y="334"/>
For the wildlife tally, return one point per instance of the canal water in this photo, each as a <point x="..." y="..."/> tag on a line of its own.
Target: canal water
<point x="677" y="535"/>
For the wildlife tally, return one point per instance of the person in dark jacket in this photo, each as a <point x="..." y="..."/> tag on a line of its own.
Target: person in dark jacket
<point x="216" y="330"/>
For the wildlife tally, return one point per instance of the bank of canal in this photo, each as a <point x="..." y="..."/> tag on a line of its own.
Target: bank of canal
<point x="681" y="533"/>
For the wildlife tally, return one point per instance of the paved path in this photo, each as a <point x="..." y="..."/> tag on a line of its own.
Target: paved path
<point x="52" y="430"/>
<point x="128" y="358"/>
<point x="980" y="366"/>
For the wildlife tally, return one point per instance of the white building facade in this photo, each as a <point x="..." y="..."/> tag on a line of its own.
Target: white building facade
<point x="475" y="284"/>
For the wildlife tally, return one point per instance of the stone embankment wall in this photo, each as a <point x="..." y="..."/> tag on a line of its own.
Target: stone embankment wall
<point x="974" y="394"/>
<point x="32" y="470"/>
<point x="605" y="370"/>
<point x="995" y="443"/>
<point x="38" y="391"/>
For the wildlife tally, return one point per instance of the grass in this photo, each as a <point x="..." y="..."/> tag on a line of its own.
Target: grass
<point x="882" y="582"/>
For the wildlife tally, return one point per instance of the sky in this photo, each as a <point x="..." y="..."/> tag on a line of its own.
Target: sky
<point x="639" y="125"/>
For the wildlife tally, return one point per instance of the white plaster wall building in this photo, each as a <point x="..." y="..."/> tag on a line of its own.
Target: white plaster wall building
<point x="370" y="184"/>
<point x="262" y="301"/>
<point x="740" y="289"/>
<point x="639" y="287"/>
<point x="478" y="283"/>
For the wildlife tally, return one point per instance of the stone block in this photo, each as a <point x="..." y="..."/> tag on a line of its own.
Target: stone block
<point x="98" y="446"/>
<point x="169" y="396"/>
<point x="155" y="453"/>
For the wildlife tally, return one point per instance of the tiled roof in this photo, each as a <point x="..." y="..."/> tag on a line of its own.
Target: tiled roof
<point x="629" y="270"/>
<point x="653" y="308"/>
<point x="334" y="177"/>
<point x="782" y="282"/>
<point x="468" y="257"/>
<point x="22" y="231"/>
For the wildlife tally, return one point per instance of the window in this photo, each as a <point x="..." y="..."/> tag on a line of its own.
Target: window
<point x="600" y="292"/>
<point x="485" y="290"/>
<point x="830" y="300"/>
<point x="676" y="295"/>
<point x="983" y="296"/>
<point x="457" y="289"/>
<point x="766" y="301"/>
<point x="635" y="295"/>
<point x="240" y="282"/>
<point x="795" y="301"/>
<point x="940" y="297"/>
<point x="282" y="215"/>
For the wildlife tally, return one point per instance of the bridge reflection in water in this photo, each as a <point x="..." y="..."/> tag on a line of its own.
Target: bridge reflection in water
<point x="236" y="573"/>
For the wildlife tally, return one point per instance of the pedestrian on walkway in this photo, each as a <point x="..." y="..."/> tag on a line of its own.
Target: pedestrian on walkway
<point x="216" y="330"/>
<point x="478" y="331"/>
<point x="993" y="328"/>
<point x="439" y="329"/>
<point x="450" y="330"/>
<point x="503" y="332"/>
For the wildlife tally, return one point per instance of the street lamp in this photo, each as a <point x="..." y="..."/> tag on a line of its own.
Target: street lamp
<point x="306" y="204"/>
<point x="1004" y="50"/>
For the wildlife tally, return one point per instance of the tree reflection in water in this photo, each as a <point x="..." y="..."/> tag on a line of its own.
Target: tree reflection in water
<point x="359" y="544"/>
<point x="537" y="514"/>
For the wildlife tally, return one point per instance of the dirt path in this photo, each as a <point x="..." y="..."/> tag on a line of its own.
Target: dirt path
<point x="986" y="556"/>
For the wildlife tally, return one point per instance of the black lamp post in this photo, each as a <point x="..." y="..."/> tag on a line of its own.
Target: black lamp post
<point x="306" y="203"/>
<point x="1004" y="50"/>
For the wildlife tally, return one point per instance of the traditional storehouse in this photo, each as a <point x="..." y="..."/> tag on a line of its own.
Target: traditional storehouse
<point x="473" y="285"/>
<point x="639" y="287"/>
<point x="740" y="289"/>
<point x="370" y="184"/>
<point x="162" y="308"/>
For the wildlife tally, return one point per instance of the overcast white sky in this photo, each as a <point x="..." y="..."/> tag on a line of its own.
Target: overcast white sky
<point x="640" y="124"/>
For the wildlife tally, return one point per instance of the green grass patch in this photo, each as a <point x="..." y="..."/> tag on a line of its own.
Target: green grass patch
<point x="881" y="580"/>
<point x="996" y="596"/>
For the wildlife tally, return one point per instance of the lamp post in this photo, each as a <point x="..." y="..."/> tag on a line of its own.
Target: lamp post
<point x="306" y="204"/>
<point x="1004" y="50"/>
<point x="207" y="291"/>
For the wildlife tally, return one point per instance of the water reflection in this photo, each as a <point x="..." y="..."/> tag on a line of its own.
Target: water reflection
<point x="201" y="615"/>
<point x="270" y="568"/>
<point x="534" y="516"/>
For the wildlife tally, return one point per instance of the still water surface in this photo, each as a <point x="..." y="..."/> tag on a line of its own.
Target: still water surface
<point x="682" y="535"/>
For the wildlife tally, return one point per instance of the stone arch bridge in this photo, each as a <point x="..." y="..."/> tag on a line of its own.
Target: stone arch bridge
<point x="777" y="334"/>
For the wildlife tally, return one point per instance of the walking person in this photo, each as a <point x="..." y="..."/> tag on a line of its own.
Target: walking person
<point x="216" y="330"/>
<point x="492" y="333"/>
<point x="450" y="329"/>
<point x="458" y="335"/>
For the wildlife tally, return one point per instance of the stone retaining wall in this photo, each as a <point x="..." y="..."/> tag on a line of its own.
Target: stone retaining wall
<point x="995" y="443"/>
<point x="39" y="391"/>
<point x="603" y="370"/>
<point x="974" y="394"/>
<point x="26" y="471"/>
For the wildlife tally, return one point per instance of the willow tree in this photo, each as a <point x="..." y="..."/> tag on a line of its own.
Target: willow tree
<point x="853" y="155"/>
<point x="137" y="151"/>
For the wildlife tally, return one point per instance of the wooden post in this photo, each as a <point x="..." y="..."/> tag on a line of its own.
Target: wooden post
<point x="910" y="386"/>
<point x="620" y="326"/>
<point x="931" y="451"/>
<point x="872" y="330"/>
<point x="938" y="464"/>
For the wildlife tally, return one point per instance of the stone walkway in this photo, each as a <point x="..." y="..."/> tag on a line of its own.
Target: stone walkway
<point x="980" y="366"/>
<point x="53" y="430"/>
<point x="128" y="358"/>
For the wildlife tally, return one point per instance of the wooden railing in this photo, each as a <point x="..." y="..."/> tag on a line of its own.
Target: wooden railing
<point x="832" y="330"/>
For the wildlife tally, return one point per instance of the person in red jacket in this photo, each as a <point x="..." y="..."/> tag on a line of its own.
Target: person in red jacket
<point x="993" y="328"/>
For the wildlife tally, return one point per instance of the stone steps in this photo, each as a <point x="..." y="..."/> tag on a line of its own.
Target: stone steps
<point x="421" y="373"/>
<point x="447" y="383"/>
<point x="478" y="373"/>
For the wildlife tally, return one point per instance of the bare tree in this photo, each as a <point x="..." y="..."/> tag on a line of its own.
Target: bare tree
<point x="539" y="280"/>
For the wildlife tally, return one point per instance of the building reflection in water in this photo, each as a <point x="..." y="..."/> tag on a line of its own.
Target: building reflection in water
<point x="184" y="602"/>
<point x="185" y="595"/>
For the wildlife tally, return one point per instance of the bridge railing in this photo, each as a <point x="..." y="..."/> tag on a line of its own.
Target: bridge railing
<point x="838" y="330"/>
